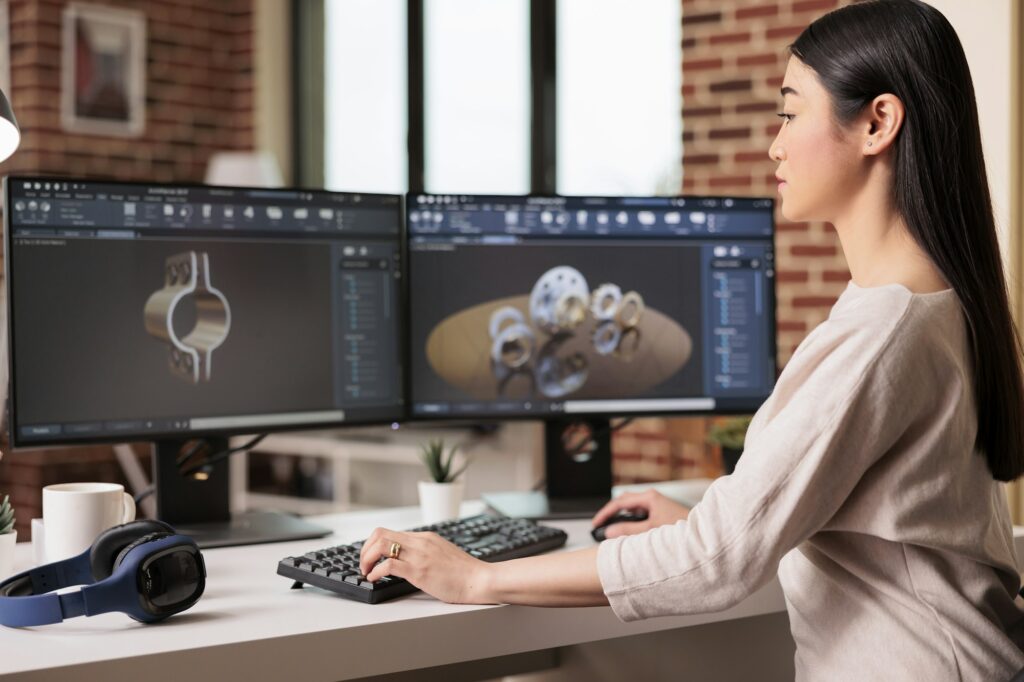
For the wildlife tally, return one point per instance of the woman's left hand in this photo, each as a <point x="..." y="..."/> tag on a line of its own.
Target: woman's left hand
<point x="429" y="562"/>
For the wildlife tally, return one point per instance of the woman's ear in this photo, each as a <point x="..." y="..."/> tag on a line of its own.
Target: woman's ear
<point x="884" y="118"/>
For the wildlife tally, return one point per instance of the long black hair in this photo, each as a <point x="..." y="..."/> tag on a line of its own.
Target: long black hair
<point x="908" y="49"/>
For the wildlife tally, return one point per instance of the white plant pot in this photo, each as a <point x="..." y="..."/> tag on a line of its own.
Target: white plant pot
<point x="7" y="542"/>
<point x="440" y="501"/>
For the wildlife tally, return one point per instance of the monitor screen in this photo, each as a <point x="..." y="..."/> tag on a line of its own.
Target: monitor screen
<point x="552" y="306"/>
<point x="156" y="311"/>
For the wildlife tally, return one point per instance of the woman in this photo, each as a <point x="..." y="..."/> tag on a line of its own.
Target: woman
<point x="869" y="480"/>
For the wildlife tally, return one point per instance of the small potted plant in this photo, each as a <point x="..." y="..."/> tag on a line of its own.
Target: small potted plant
<point x="8" y="537"/>
<point x="441" y="496"/>
<point x="730" y="434"/>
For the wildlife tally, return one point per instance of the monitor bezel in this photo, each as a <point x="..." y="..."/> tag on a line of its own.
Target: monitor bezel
<point x="484" y="416"/>
<point x="398" y="414"/>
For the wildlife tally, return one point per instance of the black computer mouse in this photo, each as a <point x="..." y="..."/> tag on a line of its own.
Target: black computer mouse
<point x="618" y="517"/>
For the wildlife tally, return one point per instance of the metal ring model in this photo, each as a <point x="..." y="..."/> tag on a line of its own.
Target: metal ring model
<point x="513" y="346"/>
<point x="502" y="315"/>
<point x="570" y="311"/>
<point x="604" y="302"/>
<point x="606" y="337"/>
<point x="631" y="309"/>
<point x="629" y="342"/>
<point x="559" y="376"/>
<point x="188" y="274"/>
<point x="559" y="300"/>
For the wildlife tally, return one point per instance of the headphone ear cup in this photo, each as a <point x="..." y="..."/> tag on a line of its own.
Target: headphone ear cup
<point x="107" y="547"/>
<point x="141" y="541"/>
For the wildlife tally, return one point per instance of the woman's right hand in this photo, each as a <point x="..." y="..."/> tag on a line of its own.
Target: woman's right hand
<point x="660" y="511"/>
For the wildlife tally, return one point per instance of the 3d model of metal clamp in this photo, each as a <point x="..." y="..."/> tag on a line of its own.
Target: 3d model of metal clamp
<point x="188" y="274"/>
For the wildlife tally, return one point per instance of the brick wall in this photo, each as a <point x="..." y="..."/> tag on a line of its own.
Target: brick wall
<point x="199" y="100"/>
<point x="734" y="58"/>
<point x="199" y="92"/>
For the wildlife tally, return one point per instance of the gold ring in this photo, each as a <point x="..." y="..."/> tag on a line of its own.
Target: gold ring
<point x="394" y="550"/>
<point x="635" y="303"/>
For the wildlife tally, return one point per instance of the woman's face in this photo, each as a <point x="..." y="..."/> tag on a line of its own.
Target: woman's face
<point x="819" y="166"/>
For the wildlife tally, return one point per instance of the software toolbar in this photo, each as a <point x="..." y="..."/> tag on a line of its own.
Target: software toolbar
<point x="119" y="211"/>
<point x="512" y="217"/>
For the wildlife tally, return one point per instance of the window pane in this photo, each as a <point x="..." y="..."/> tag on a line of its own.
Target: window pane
<point x="365" y="96"/>
<point x="619" y="120"/>
<point x="477" y="96"/>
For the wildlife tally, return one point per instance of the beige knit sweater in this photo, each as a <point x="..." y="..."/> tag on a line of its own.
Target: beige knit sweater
<point x="860" y="487"/>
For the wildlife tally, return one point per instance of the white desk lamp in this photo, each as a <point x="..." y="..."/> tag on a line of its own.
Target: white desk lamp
<point x="10" y="135"/>
<point x="243" y="169"/>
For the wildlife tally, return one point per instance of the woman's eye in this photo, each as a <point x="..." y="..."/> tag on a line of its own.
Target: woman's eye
<point x="786" y="117"/>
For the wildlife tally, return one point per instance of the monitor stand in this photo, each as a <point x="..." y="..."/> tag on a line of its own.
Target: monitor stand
<point x="579" y="480"/>
<point x="200" y="507"/>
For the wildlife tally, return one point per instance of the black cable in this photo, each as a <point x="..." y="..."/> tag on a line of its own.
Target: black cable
<point x="186" y="456"/>
<point x="221" y="456"/>
<point x="584" y="444"/>
<point x="208" y="464"/>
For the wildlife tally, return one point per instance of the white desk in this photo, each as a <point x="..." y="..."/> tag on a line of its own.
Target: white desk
<point x="250" y="625"/>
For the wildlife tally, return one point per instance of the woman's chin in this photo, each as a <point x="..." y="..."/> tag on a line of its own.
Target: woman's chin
<point x="788" y="212"/>
<point x="792" y="211"/>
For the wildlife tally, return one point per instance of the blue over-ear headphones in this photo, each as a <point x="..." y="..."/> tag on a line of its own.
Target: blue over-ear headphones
<point x="142" y="568"/>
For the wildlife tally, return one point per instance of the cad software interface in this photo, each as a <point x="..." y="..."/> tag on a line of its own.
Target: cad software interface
<point x="145" y="310"/>
<point x="531" y="306"/>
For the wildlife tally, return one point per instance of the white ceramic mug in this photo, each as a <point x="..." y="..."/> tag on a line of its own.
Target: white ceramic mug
<point x="75" y="513"/>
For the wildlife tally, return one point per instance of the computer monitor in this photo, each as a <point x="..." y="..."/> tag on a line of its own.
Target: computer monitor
<point x="575" y="309"/>
<point x="170" y="313"/>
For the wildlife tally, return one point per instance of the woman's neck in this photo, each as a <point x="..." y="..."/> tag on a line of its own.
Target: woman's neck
<point x="879" y="249"/>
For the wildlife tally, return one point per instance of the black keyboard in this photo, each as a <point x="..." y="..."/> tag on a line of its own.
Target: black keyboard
<point x="490" y="538"/>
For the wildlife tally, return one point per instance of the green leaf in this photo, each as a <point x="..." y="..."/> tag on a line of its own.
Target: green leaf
<point x="731" y="433"/>
<point x="432" y="455"/>
<point x="447" y="467"/>
<point x="439" y="463"/>
<point x="460" y="470"/>
<point x="6" y="516"/>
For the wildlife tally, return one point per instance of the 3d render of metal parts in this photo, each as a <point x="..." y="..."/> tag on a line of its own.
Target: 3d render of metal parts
<point x="188" y="275"/>
<point x="559" y="300"/>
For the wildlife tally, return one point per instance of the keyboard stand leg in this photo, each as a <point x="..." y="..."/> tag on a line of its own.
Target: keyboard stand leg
<point x="297" y="585"/>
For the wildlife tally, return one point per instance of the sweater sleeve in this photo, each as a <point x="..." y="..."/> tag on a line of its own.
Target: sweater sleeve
<point x="848" y="398"/>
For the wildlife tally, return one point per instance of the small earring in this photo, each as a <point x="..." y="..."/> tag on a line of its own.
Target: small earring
<point x="869" y="143"/>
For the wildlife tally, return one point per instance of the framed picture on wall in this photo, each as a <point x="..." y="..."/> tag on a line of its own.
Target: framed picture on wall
<point x="103" y="65"/>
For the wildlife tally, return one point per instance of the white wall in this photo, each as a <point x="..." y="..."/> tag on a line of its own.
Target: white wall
<point x="985" y="29"/>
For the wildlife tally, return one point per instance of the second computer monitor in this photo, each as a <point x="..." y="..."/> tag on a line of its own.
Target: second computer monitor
<point x="562" y="306"/>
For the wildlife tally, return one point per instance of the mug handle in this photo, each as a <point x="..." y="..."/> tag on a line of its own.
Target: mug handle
<point x="128" y="511"/>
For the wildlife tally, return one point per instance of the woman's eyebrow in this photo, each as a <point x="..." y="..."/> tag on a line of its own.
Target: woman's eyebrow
<point x="786" y="90"/>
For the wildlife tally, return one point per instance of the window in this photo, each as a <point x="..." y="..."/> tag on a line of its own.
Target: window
<point x="365" y="107"/>
<point x="619" y="75"/>
<point x="477" y="96"/>
<point x="607" y="118"/>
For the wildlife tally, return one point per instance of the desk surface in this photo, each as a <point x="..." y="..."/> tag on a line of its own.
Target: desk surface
<point x="251" y="625"/>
